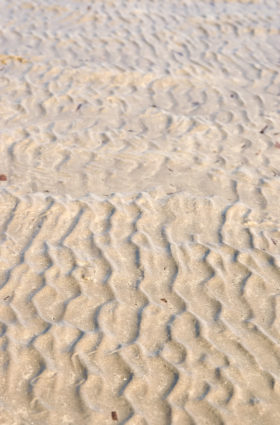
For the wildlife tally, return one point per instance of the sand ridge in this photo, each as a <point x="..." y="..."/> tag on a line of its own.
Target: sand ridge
<point x="139" y="226"/>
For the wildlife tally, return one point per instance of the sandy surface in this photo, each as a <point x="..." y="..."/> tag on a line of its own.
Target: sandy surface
<point x="140" y="219"/>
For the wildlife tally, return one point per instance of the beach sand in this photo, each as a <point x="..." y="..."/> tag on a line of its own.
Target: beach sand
<point x="140" y="219"/>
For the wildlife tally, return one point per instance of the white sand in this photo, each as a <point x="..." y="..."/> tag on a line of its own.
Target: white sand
<point x="140" y="219"/>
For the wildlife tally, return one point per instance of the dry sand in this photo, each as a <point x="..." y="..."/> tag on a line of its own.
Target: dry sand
<point x="140" y="219"/>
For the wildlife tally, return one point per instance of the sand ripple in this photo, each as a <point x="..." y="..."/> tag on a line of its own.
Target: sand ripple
<point x="139" y="226"/>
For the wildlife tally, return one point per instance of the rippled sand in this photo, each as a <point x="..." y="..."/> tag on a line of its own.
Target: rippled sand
<point x="140" y="214"/>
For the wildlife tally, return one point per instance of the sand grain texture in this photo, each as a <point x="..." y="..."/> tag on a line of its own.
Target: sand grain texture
<point x="139" y="226"/>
